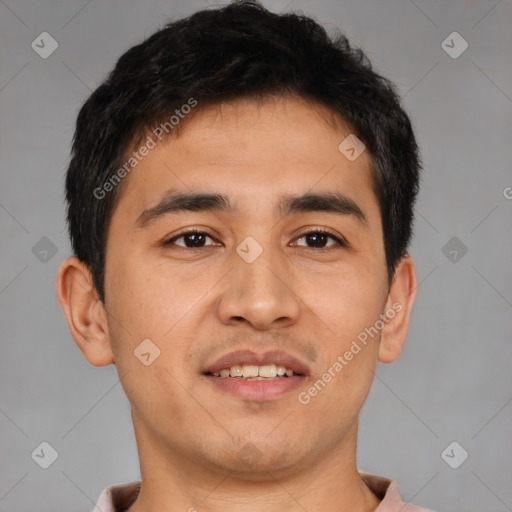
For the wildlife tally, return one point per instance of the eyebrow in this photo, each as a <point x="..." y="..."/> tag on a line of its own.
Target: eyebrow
<point x="178" y="202"/>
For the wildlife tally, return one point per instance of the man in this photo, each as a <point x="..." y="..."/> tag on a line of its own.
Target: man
<point x="240" y="201"/>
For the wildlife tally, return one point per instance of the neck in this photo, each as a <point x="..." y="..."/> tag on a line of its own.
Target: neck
<point x="174" y="482"/>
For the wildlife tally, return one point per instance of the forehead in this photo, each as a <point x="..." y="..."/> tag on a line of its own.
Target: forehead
<point x="250" y="149"/>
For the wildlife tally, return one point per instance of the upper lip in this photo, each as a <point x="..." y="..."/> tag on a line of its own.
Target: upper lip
<point x="248" y="357"/>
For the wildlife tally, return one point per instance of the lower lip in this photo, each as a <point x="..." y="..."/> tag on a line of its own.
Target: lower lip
<point x="257" y="390"/>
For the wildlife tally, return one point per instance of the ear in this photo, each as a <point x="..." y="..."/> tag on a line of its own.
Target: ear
<point x="402" y="293"/>
<point x="85" y="314"/>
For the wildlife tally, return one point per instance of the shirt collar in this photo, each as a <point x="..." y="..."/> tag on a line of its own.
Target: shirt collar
<point x="118" y="497"/>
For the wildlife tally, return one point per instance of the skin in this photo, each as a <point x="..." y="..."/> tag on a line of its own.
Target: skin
<point x="197" y="305"/>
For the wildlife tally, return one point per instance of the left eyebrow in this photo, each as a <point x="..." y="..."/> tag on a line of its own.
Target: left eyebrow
<point x="332" y="202"/>
<point x="176" y="202"/>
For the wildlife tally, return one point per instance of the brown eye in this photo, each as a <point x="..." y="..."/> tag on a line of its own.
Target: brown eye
<point x="190" y="240"/>
<point x="318" y="239"/>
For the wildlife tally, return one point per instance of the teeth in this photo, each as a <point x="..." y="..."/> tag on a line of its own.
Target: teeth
<point x="281" y="370"/>
<point x="269" y="370"/>
<point x="246" y="371"/>
<point x="236" y="371"/>
<point x="249" y="371"/>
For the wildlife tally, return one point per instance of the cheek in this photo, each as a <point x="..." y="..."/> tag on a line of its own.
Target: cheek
<point x="345" y="302"/>
<point x="341" y="384"/>
<point x="349" y="308"/>
<point x="147" y="313"/>
<point x="135" y="309"/>
<point x="141" y="295"/>
<point x="155" y="301"/>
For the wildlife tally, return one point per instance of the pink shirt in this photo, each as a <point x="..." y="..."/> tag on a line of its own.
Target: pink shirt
<point x="119" y="497"/>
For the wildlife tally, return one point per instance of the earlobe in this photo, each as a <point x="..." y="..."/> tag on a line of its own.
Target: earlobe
<point x="399" y="304"/>
<point x="85" y="314"/>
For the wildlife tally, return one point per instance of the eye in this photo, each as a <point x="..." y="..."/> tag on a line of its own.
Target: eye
<point x="316" y="240"/>
<point x="319" y="238"/>
<point x="192" y="239"/>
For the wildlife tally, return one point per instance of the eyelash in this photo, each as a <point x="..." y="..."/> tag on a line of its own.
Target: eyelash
<point x="341" y="242"/>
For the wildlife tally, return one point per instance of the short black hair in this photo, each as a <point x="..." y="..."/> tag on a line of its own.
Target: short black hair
<point x="220" y="54"/>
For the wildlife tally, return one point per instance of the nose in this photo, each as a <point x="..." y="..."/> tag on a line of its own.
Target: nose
<point x="259" y="294"/>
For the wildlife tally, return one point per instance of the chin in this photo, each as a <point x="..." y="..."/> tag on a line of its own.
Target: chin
<point x="253" y="457"/>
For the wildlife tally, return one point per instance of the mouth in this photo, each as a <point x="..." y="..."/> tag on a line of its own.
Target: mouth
<point x="257" y="377"/>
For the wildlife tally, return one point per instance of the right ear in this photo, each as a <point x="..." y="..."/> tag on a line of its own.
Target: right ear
<point x="85" y="314"/>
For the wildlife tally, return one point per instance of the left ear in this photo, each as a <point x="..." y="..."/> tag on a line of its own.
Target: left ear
<point x="402" y="293"/>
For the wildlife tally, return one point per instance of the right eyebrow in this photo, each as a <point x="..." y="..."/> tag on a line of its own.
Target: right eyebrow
<point x="174" y="202"/>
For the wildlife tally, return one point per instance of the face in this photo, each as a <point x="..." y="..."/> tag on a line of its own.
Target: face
<point x="285" y="267"/>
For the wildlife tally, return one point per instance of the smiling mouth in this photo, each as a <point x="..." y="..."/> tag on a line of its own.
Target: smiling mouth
<point x="253" y="372"/>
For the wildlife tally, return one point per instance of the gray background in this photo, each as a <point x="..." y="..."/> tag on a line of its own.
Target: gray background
<point x="453" y="381"/>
